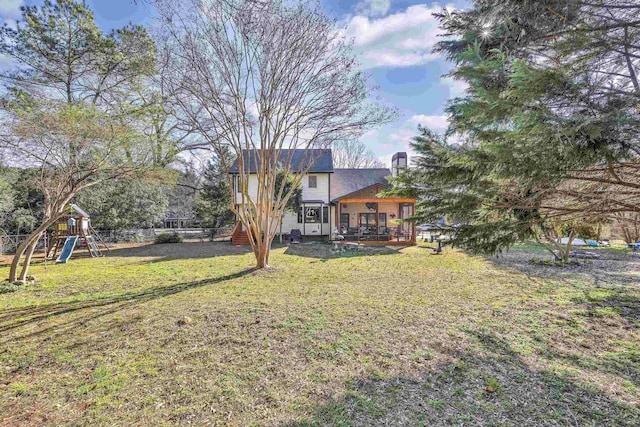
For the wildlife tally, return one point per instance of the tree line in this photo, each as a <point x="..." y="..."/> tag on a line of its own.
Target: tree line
<point x="125" y="203"/>
<point x="103" y="116"/>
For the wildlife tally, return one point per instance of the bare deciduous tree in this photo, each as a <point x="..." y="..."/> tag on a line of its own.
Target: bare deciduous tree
<point x="265" y="78"/>
<point x="354" y="154"/>
<point x="74" y="148"/>
<point x="627" y="226"/>
<point x="60" y="112"/>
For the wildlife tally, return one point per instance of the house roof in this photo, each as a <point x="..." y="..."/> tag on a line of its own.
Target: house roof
<point x="348" y="181"/>
<point x="318" y="160"/>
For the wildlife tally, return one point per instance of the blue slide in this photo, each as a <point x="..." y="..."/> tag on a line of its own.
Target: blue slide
<point x="67" y="249"/>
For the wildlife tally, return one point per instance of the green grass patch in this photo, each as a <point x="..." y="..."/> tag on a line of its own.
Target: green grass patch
<point x="381" y="335"/>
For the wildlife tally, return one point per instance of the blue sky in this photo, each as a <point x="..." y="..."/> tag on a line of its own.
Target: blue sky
<point x="393" y="41"/>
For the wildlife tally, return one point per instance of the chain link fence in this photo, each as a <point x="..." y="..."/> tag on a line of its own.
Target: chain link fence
<point x="9" y="243"/>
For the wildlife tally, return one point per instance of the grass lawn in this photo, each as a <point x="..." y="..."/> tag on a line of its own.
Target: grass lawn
<point x="385" y="337"/>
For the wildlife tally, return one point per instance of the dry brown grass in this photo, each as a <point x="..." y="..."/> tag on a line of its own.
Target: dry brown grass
<point x="390" y="336"/>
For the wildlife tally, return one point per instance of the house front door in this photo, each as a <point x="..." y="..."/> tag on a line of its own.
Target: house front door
<point x="367" y="225"/>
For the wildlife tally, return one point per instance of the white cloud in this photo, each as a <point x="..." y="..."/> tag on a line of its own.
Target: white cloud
<point x="399" y="40"/>
<point x="389" y="58"/>
<point x="435" y="123"/>
<point x="373" y="8"/>
<point x="10" y="7"/>
<point x="398" y="136"/>
<point x="386" y="160"/>
<point x="402" y="135"/>
<point x="457" y="88"/>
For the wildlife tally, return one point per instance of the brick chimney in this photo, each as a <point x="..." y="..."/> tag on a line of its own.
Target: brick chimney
<point x="398" y="163"/>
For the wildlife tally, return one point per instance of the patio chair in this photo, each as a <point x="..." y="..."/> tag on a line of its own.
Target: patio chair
<point x="295" y="236"/>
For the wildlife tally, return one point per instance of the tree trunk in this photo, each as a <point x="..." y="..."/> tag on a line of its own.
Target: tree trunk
<point x="262" y="256"/>
<point x="551" y="245"/>
<point x="27" y="260"/>
<point x="262" y="250"/>
<point x="564" y="252"/>
<point x="16" y="260"/>
<point x="22" y="248"/>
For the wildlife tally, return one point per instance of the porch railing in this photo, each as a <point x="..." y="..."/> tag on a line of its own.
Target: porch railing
<point x="387" y="234"/>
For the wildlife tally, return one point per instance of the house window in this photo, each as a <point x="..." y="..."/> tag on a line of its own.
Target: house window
<point x="325" y="215"/>
<point x="311" y="215"/>
<point x="313" y="181"/>
<point x="382" y="223"/>
<point x="382" y="219"/>
<point x="344" y="221"/>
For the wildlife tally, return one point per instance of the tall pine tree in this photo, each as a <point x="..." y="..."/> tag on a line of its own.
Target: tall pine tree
<point x="549" y="125"/>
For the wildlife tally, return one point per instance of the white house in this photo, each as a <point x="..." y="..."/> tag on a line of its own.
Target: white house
<point x="342" y="200"/>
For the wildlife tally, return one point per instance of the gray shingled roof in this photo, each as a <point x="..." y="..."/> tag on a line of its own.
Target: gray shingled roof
<point x="347" y="181"/>
<point x="322" y="160"/>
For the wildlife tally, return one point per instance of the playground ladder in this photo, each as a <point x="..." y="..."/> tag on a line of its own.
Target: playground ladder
<point x="93" y="246"/>
<point x="98" y="238"/>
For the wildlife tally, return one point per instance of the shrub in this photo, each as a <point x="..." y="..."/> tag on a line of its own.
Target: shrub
<point x="6" y="288"/>
<point x="552" y="262"/>
<point x="168" y="238"/>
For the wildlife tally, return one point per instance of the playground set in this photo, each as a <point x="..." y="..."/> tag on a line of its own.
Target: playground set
<point x="72" y="228"/>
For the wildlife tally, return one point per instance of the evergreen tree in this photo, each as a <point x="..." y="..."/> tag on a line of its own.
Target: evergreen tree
<point x="212" y="204"/>
<point x="549" y="125"/>
<point x="21" y="208"/>
<point x="125" y="203"/>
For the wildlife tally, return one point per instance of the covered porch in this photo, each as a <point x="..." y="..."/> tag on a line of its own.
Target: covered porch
<point x="376" y="220"/>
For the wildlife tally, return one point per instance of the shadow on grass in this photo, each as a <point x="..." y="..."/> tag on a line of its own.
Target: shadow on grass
<point x="171" y="251"/>
<point x="611" y="269"/>
<point x="93" y="308"/>
<point x="163" y="252"/>
<point x="493" y="386"/>
<point x="621" y="302"/>
<point x="628" y="306"/>
<point x="325" y="251"/>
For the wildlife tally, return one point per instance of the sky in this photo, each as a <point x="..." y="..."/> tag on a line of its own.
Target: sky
<point x="393" y="40"/>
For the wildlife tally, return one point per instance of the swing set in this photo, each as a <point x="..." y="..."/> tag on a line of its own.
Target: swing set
<point x="72" y="228"/>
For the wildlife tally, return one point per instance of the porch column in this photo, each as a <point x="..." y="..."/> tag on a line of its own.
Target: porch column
<point x="321" y="218"/>
<point x="399" y="225"/>
<point x="329" y="213"/>
<point x="377" y="225"/>
<point x="358" y="223"/>
<point x="413" y="223"/>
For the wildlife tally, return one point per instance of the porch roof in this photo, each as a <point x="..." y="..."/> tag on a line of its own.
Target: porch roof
<point x="346" y="182"/>
<point x="378" y="200"/>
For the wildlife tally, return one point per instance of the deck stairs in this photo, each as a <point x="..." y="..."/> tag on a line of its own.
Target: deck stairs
<point x="239" y="236"/>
